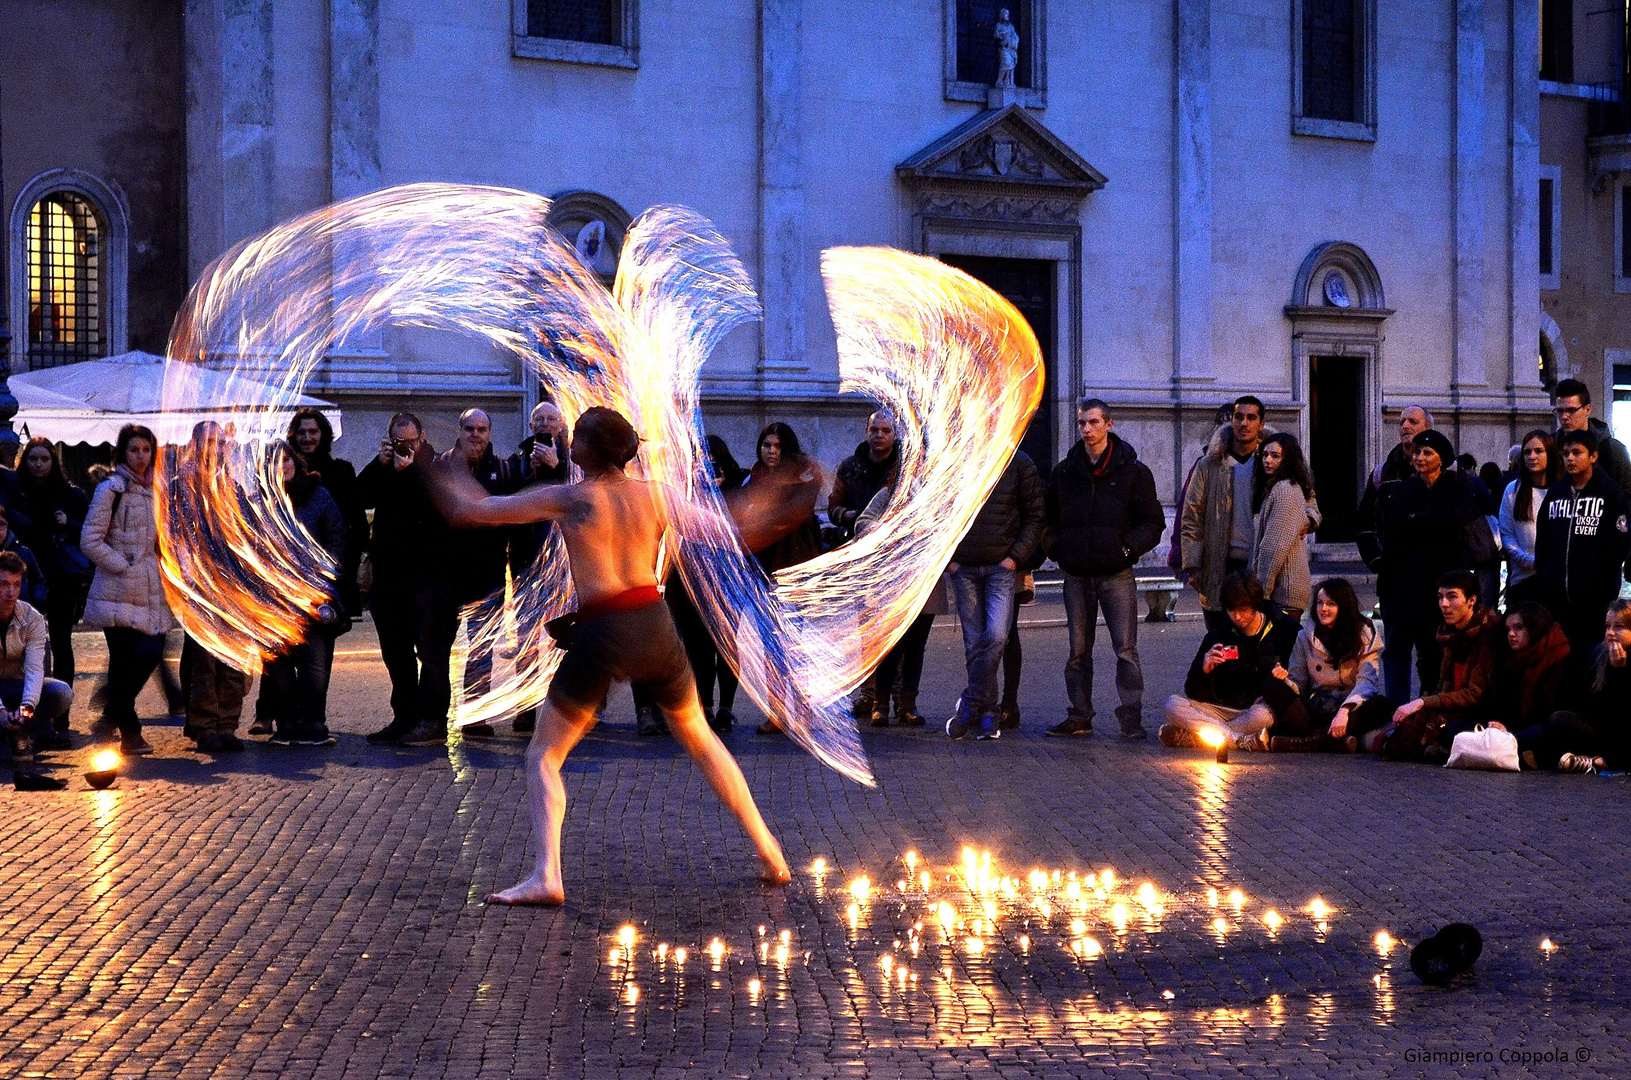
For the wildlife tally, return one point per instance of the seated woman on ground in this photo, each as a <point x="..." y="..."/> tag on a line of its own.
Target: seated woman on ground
<point x="1592" y="732"/>
<point x="1528" y="674"/>
<point x="1336" y="667"/>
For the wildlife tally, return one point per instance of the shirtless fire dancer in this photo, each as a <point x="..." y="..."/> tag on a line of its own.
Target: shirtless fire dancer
<point x="623" y="631"/>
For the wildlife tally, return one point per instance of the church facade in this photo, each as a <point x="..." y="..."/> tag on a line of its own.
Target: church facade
<point x="1330" y="204"/>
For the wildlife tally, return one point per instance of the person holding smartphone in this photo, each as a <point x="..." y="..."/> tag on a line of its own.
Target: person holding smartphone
<point x="1237" y="680"/>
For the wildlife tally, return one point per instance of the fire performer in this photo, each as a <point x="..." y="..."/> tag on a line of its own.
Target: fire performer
<point x="621" y="630"/>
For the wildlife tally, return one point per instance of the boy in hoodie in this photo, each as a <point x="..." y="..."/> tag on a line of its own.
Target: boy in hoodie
<point x="1581" y="542"/>
<point x="1468" y="640"/>
<point x="1103" y="515"/>
<point x="1232" y="683"/>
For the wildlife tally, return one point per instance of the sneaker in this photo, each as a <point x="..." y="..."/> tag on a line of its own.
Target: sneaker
<point x="261" y="727"/>
<point x="1576" y="763"/>
<point x="650" y="722"/>
<point x="316" y="735"/>
<point x="1434" y="754"/>
<point x="425" y="733"/>
<point x="479" y="731"/>
<point x="1008" y="717"/>
<point x="990" y="728"/>
<point x="283" y="736"/>
<point x="1177" y="737"/>
<point x="389" y="734"/>
<point x="1071" y="726"/>
<point x="133" y="745"/>
<point x="956" y="727"/>
<point x="722" y="721"/>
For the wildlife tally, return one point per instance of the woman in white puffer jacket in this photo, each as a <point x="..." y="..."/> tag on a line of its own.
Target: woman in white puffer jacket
<point x="127" y="592"/>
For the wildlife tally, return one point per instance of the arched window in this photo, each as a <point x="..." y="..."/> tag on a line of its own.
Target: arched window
<point x="69" y="239"/>
<point x="63" y="245"/>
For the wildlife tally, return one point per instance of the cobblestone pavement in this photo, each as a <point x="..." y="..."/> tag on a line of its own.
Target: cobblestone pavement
<point x="309" y="913"/>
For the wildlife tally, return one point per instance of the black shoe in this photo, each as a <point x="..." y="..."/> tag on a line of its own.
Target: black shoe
<point x="479" y="731"/>
<point x="1133" y="731"/>
<point x="133" y="745"/>
<point x="104" y="730"/>
<point x="1071" y="726"/>
<point x="1008" y="716"/>
<point x="864" y="706"/>
<point x="283" y="736"/>
<point x="230" y="743"/>
<point x="722" y="722"/>
<point x="425" y="733"/>
<point x="61" y="724"/>
<point x="390" y="733"/>
<point x="649" y="722"/>
<point x="1434" y="754"/>
<point x="526" y="723"/>
<point x="208" y="742"/>
<point x="316" y="735"/>
<point x="261" y="727"/>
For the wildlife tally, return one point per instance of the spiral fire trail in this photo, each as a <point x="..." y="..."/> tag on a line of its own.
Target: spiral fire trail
<point x="482" y="262"/>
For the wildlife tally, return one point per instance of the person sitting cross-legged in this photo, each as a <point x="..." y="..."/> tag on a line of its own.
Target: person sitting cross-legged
<point x="1467" y="640"/>
<point x="1234" y="672"/>
<point x="1336" y="667"/>
<point x="1529" y="672"/>
<point x="1591" y="731"/>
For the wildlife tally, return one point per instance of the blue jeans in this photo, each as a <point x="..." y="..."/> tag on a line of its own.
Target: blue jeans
<point x="985" y="607"/>
<point x="55" y="698"/>
<point x="1117" y="596"/>
<point x="298" y="681"/>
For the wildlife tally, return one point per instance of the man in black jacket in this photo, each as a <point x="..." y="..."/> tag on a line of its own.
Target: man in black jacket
<point x="408" y="554"/>
<point x="1571" y="402"/>
<point x="984" y="569"/>
<point x="1103" y="515"/>
<point x="1581" y="543"/>
<point x="1237" y="678"/>
<point x="1394" y="470"/>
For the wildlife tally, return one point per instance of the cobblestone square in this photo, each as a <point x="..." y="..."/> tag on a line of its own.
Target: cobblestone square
<point x="317" y="913"/>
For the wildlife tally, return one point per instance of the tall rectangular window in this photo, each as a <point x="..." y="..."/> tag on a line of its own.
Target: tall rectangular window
<point x="1333" y="68"/>
<point x="1333" y="43"/>
<point x="1625" y="231"/>
<point x="1549" y="211"/>
<point x="1557" y="40"/>
<point x="605" y="32"/>
<point x="599" y="22"/>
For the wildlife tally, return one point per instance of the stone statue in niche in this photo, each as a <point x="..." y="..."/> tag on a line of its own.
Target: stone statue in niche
<point x="1007" y="38"/>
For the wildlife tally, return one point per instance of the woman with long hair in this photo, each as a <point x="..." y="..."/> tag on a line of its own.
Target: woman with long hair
<point x="775" y="508"/>
<point x="1539" y="466"/>
<point x="297" y="679"/>
<point x="1282" y="495"/>
<point x="126" y="598"/>
<point x="1336" y="668"/>
<point x="1523" y="692"/>
<point x="1591" y="731"/>
<point x="48" y="515"/>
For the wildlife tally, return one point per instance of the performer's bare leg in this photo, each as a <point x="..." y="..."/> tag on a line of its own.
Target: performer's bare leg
<point x="559" y="730"/>
<point x="690" y="729"/>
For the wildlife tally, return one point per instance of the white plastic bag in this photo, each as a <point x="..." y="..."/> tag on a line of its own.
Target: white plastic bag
<point x="1484" y="748"/>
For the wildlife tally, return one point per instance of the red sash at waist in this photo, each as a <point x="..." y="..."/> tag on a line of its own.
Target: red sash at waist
<point x="628" y="600"/>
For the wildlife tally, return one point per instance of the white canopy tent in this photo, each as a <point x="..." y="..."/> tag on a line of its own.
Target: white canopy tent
<point x="90" y="401"/>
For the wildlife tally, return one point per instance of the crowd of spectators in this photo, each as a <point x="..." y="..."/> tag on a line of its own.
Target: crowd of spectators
<point x="1502" y="587"/>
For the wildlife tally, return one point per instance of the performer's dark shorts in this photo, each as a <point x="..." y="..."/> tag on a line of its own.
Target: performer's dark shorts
<point x="640" y="646"/>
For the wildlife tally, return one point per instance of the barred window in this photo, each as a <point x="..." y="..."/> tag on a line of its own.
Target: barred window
<point x="599" y="22"/>
<point x="1332" y="59"/>
<point x="63" y="246"/>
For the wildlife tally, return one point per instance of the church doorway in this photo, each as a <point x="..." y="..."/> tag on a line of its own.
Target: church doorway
<point x="1336" y="442"/>
<point x="1029" y="285"/>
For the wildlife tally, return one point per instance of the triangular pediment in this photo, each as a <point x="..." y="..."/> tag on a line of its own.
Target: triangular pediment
<point x="1003" y="148"/>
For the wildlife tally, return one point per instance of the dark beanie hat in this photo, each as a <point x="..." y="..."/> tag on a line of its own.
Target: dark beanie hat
<point x="1435" y="440"/>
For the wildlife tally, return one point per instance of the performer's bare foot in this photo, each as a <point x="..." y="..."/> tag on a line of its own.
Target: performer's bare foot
<point x="534" y="890"/>
<point x="774" y="872"/>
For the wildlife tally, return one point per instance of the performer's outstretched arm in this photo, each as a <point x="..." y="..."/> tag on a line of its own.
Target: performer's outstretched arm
<point x="464" y="503"/>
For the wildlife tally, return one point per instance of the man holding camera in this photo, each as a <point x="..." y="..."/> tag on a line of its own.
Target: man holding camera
<point x="408" y="554"/>
<point x="1238" y="677"/>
